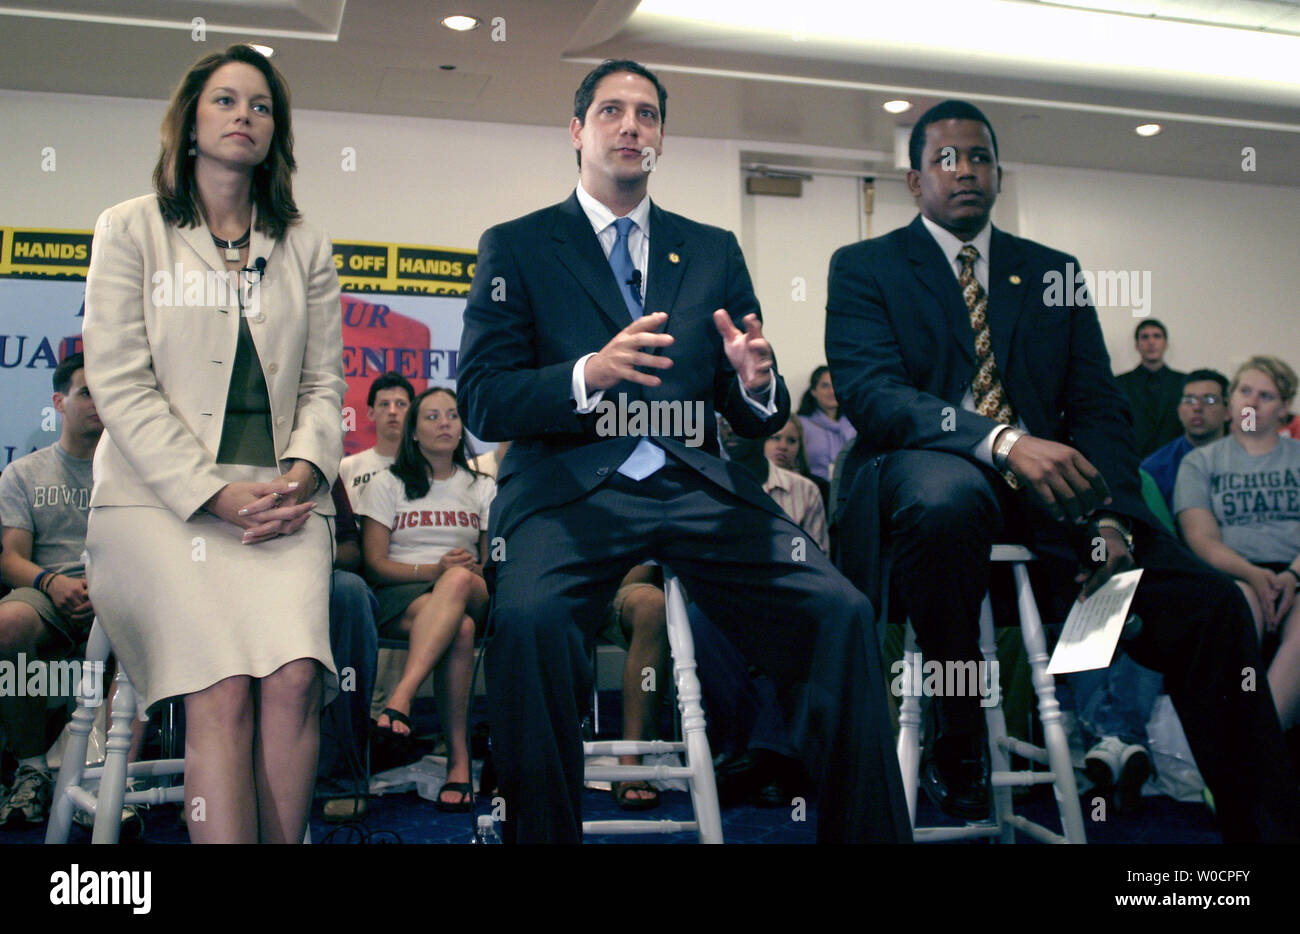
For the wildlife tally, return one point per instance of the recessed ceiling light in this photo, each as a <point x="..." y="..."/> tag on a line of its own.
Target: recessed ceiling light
<point x="460" y="23"/>
<point x="897" y="107"/>
<point x="1148" y="129"/>
<point x="266" y="50"/>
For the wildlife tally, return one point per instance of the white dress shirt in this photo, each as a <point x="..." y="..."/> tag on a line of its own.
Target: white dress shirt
<point x="638" y="246"/>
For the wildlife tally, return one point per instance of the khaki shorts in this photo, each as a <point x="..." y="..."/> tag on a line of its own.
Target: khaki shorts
<point x="74" y="632"/>
<point x="613" y="629"/>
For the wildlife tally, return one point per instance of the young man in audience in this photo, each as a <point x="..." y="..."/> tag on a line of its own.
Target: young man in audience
<point x="386" y="404"/>
<point x="44" y="499"/>
<point x="745" y="723"/>
<point x="1152" y="389"/>
<point x="1203" y="412"/>
<point x="343" y="774"/>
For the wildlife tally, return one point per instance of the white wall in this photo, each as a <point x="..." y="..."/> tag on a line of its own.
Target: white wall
<point x="1221" y="254"/>
<point x="1225" y="275"/>
<point x="436" y="182"/>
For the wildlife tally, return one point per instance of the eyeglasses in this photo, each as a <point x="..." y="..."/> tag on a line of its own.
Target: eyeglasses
<point x="1208" y="399"/>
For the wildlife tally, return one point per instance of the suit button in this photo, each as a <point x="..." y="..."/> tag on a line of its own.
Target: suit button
<point x="273" y="368"/>
<point x="602" y="471"/>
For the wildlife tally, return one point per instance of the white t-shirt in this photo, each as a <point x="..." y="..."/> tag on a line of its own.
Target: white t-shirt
<point x="451" y="515"/>
<point x="356" y="470"/>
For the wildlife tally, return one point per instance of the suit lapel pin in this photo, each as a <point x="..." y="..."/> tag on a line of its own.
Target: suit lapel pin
<point x="674" y="258"/>
<point x="1015" y="280"/>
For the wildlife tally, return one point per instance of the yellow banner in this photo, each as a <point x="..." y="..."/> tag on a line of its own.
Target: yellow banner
<point x="362" y="266"/>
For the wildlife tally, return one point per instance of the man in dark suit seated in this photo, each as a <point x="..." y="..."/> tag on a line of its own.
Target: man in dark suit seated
<point x="985" y="413"/>
<point x="600" y="336"/>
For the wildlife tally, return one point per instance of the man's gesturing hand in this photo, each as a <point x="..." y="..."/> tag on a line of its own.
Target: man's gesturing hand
<point x="618" y="360"/>
<point x="748" y="350"/>
<point x="1061" y="477"/>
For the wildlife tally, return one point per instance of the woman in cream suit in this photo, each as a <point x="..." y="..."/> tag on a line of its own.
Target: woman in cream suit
<point x="214" y="353"/>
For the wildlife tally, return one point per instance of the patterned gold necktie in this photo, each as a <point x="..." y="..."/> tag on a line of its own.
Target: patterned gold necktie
<point x="986" y="386"/>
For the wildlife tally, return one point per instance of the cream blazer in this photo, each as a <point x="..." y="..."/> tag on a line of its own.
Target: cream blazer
<point x="160" y="330"/>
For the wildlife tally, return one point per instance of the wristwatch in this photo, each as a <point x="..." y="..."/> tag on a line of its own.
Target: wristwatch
<point x="1006" y="440"/>
<point x="1109" y="522"/>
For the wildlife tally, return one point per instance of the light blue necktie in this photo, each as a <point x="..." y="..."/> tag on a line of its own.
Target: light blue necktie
<point x="646" y="457"/>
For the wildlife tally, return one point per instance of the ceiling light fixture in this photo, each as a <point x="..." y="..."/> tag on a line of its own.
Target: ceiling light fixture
<point x="266" y="50"/>
<point x="460" y="23"/>
<point x="897" y="107"/>
<point x="1148" y="129"/>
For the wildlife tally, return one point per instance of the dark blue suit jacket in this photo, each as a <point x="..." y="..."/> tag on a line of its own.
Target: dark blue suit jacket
<point x="544" y="295"/>
<point x="902" y="354"/>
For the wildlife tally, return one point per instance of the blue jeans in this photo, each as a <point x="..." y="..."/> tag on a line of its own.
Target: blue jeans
<point x="345" y="724"/>
<point x="1116" y="701"/>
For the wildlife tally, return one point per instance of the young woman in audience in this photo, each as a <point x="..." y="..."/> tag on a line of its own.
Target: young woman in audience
<point x="209" y="563"/>
<point x="1238" y="504"/>
<point x="786" y="450"/>
<point x="424" y="539"/>
<point x="825" y="430"/>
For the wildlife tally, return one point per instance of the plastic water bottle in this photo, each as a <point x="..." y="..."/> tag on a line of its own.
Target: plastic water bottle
<point x="486" y="830"/>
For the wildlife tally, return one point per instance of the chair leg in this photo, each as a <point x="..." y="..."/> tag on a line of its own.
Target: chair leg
<point x="996" y="722"/>
<point x="73" y="766"/>
<point x="1049" y="710"/>
<point x="112" y="782"/>
<point x="909" y="722"/>
<point x="704" y="788"/>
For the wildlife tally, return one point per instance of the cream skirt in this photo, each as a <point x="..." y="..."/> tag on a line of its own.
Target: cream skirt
<point x="185" y="604"/>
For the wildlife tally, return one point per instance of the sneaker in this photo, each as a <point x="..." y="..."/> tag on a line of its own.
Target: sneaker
<point x="29" y="802"/>
<point x="1134" y="770"/>
<point x="1102" y="762"/>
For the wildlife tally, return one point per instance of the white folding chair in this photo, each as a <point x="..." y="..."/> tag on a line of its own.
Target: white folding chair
<point x="694" y="747"/>
<point x="1055" y="755"/>
<point x="101" y="790"/>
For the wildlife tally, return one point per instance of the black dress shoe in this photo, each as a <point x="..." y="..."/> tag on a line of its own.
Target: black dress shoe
<point x="955" y="776"/>
<point x="779" y="781"/>
<point x="736" y="778"/>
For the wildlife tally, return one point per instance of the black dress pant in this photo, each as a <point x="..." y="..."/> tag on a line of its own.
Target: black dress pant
<point x="941" y="513"/>
<point x="788" y="610"/>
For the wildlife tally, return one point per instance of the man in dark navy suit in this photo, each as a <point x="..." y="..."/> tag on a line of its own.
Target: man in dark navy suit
<point x="986" y="411"/>
<point x="582" y="318"/>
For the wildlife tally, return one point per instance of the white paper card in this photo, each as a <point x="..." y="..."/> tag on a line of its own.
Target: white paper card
<point x="1093" y="627"/>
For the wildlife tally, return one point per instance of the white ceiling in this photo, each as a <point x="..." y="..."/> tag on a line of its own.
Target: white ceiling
<point x="1060" y="85"/>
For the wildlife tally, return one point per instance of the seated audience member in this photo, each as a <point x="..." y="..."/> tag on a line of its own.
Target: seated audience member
<point x="44" y="497"/>
<point x="489" y="462"/>
<point x="786" y="450"/>
<point x="825" y="429"/>
<point x="1152" y="389"/>
<point x="638" y="622"/>
<point x="745" y="721"/>
<point x="389" y="397"/>
<point x="1203" y="411"/>
<point x="799" y="497"/>
<point x="342" y="778"/>
<point x="1238" y="504"/>
<point x="424" y="538"/>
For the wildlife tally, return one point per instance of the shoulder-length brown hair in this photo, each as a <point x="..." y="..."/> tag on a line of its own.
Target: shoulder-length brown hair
<point x="173" y="176"/>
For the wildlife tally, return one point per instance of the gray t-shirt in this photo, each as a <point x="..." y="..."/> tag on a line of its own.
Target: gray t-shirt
<point x="1255" y="498"/>
<point x="48" y="494"/>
